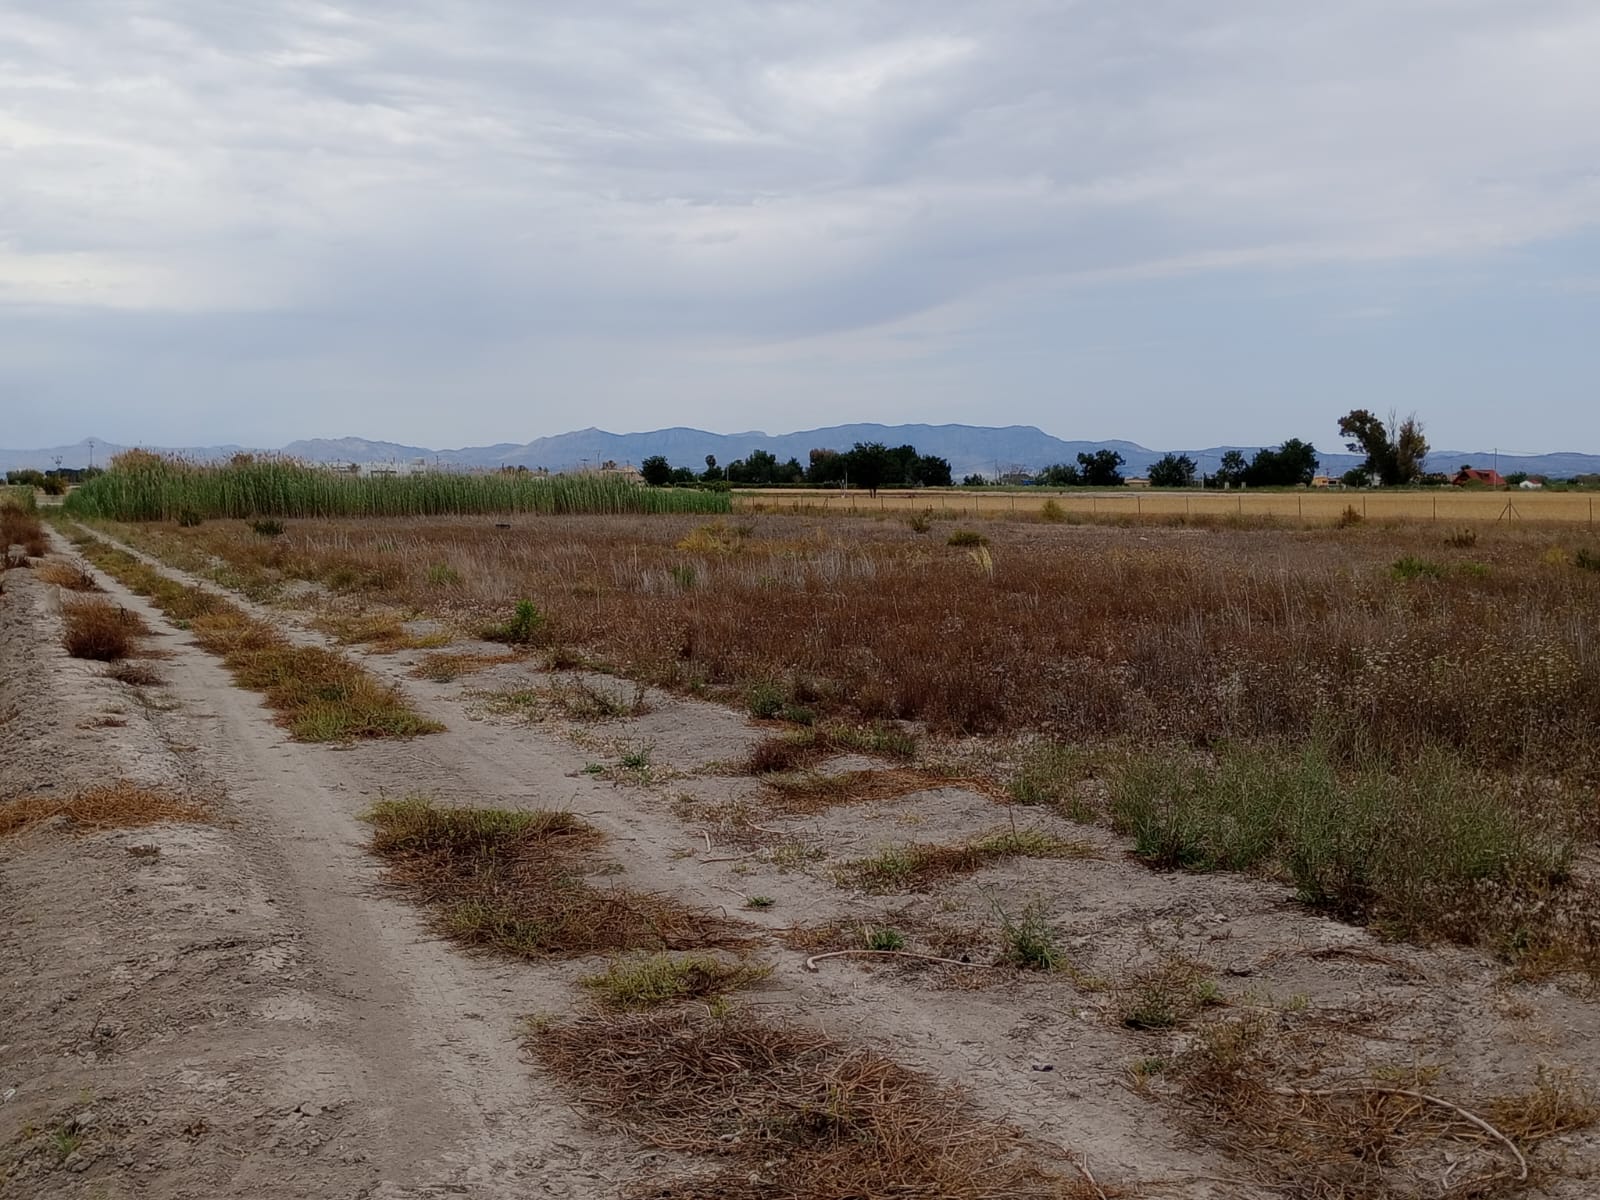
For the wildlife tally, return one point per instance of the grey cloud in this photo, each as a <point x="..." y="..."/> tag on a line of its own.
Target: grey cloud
<point x="485" y="177"/>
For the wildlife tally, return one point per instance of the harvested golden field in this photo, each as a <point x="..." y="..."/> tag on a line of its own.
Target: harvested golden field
<point x="1312" y="508"/>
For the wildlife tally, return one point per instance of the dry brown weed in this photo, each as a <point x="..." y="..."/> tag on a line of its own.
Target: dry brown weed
<point x="803" y="1116"/>
<point x="117" y="806"/>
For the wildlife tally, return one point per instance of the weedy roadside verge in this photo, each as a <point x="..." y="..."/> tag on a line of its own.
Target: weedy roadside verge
<point x="320" y="695"/>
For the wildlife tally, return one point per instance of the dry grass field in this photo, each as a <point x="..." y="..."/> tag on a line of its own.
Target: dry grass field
<point x="904" y="853"/>
<point x="1441" y="506"/>
<point x="1385" y="640"/>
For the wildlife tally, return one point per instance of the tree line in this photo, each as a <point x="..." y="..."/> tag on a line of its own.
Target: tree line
<point x="1394" y="452"/>
<point x="869" y="465"/>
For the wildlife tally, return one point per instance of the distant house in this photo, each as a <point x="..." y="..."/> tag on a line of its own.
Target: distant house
<point x="1137" y="481"/>
<point x="1476" y="477"/>
<point x="1531" y="484"/>
<point x="1323" y="481"/>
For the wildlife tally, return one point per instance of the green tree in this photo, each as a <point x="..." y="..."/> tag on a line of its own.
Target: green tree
<point x="1059" y="475"/>
<point x="1103" y="468"/>
<point x="760" y="468"/>
<point x="1293" y="464"/>
<point x="1394" y="451"/>
<point x="974" y="481"/>
<point x="827" y="466"/>
<point x="1232" y="470"/>
<point x="1172" y="471"/>
<point x="711" y="469"/>
<point x="657" y="471"/>
<point x="933" y="471"/>
<point x="869" y="464"/>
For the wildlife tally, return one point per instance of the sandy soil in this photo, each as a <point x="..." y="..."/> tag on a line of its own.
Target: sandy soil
<point x="249" y="1013"/>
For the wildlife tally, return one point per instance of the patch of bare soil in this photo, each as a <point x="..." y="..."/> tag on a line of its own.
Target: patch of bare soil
<point x="1117" y="1055"/>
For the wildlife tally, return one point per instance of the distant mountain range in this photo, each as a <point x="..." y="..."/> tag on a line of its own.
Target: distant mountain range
<point x="970" y="448"/>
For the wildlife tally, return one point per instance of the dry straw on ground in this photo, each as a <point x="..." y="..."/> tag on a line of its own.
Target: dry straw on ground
<point x="801" y="1115"/>
<point x="117" y="806"/>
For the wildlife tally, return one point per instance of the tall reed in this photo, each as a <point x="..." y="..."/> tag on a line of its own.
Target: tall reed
<point x="162" y="489"/>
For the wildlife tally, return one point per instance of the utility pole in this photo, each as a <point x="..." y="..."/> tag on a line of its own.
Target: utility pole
<point x="91" y="454"/>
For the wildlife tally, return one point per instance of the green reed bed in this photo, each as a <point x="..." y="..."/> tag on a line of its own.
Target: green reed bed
<point x="169" y="490"/>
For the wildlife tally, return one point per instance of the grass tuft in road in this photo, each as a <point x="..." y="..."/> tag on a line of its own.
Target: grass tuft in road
<point x="512" y="883"/>
<point x="660" y="979"/>
<point x="912" y="867"/>
<point x="117" y="806"/>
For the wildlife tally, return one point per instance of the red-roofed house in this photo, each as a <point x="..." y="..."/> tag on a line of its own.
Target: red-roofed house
<point x="1473" y="477"/>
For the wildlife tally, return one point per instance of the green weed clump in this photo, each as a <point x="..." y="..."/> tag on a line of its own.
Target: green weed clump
<point x="1050" y="774"/>
<point x="639" y="983"/>
<point x="1411" y="567"/>
<point x="1029" y="941"/>
<point x="525" y="627"/>
<point x="1426" y="848"/>
<point x="914" y="866"/>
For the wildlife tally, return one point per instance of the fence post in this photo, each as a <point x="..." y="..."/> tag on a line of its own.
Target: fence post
<point x="1363" y="508"/>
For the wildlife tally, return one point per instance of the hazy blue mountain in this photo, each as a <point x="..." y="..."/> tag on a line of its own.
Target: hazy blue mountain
<point x="970" y="448"/>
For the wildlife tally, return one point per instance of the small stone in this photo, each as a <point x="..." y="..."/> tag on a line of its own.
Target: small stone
<point x="76" y="1162"/>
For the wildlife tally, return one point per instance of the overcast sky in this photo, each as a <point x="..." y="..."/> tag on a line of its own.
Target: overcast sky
<point x="1183" y="222"/>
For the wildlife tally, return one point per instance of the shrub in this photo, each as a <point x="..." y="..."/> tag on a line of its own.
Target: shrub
<point x="267" y="527"/>
<point x="885" y="939"/>
<point x="1050" y="773"/>
<point x="920" y="522"/>
<point x="1462" y="539"/>
<point x="1588" y="559"/>
<point x="20" y="527"/>
<point x="766" y="700"/>
<point x="1350" y="517"/>
<point x="966" y="537"/>
<point x="1052" y="513"/>
<point x="523" y="629"/>
<point x="1415" y="848"/>
<point x="99" y="630"/>
<point x="1029" y="941"/>
<point x="1411" y="567"/>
